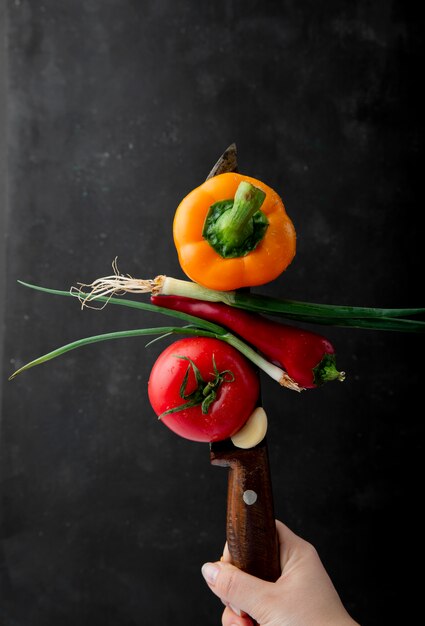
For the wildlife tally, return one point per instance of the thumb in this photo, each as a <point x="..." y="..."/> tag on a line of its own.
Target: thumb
<point x="236" y="588"/>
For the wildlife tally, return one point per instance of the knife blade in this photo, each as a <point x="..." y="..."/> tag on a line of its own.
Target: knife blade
<point x="250" y="521"/>
<point x="228" y="162"/>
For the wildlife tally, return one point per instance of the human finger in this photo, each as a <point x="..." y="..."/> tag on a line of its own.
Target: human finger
<point x="232" y="619"/>
<point x="290" y="544"/>
<point x="236" y="588"/>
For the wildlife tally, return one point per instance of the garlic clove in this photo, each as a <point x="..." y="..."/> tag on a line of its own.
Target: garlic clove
<point x="253" y="431"/>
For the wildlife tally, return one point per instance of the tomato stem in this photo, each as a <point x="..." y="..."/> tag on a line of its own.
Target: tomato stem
<point x="205" y="393"/>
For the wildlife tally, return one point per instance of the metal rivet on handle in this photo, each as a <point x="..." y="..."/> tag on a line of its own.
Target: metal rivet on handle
<point x="249" y="496"/>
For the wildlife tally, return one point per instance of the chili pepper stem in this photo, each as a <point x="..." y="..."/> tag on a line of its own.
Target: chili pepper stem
<point x="326" y="371"/>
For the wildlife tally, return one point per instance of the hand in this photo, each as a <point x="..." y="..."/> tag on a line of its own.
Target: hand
<point x="303" y="595"/>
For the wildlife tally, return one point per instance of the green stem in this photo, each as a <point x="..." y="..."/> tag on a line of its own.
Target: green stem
<point x="323" y="314"/>
<point x="106" y="337"/>
<point x="267" y="304"/>
<point x="373" y="323"/>
<point x="201" y="328"/>
<point x="272" y="370"/>
<point x="269" y="368"/>
<point x="235" y="225"/>
<point x="326" y="371"/>
<point x="210" y="326"/>
<point x="371" y="318"/>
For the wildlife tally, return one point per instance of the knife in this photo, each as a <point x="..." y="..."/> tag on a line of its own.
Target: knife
<point x="250" y="521"/>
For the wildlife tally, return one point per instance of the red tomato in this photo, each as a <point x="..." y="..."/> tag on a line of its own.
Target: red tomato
<point x="237" y="388"/>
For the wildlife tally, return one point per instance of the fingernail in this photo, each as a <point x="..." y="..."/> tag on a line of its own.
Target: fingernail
<point x="210" y="572"/>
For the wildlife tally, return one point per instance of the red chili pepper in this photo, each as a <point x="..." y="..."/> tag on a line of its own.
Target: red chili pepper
<point x="307" y="357"/>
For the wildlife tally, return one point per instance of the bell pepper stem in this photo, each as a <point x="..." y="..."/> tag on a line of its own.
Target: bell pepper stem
<point x="235" y="225"/>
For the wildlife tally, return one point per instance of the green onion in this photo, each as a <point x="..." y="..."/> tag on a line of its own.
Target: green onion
<point x="322" y="314"/>
<point x="105" y="337"/>
<point x="328" y="314"/>
<point x="331" y="315"/>
<point x="198" y="327"/>
<point x="378" y="323"/>
<point x="267" y="304"/>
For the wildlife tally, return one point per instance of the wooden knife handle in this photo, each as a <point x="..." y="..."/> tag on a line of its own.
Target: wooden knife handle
<point x="251" y="528"/>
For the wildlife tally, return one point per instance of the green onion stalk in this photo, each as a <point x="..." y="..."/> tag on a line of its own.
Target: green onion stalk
<point x="104" y="290"/>
<point x="196" y="327"/>
<point x="400" y="319"/>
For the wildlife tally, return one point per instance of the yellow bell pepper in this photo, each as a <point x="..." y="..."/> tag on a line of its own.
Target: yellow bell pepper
<point x="233" y="231"/>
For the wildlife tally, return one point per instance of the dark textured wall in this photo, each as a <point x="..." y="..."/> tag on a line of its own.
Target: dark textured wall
<point x="116" y="110"/>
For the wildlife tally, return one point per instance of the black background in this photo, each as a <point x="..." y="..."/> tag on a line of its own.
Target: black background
<point x="115" y="110"/>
